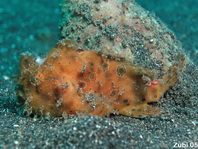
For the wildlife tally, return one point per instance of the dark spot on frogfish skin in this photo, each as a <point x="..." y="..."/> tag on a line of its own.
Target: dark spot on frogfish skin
<point x="105" y="65"/>
<point x="57" y="93"/>
<point x="125" y="101"/>
<point x="92" y="76"/>
<point x="82" y="84"/>
<point x="80" y="50"/>
<point x="114" y="92"/>
<point x="121" y="70"/>
<point x="80" y="75"/>
<point x="155" y="96"/>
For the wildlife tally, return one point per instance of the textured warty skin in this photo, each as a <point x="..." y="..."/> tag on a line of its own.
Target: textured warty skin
<point x="76" y="81"/>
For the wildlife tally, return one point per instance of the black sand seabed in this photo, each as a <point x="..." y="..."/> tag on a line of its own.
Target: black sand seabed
<point x="33" y="26"/>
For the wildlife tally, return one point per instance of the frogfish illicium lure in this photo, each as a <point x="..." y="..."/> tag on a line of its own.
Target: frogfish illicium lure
<point x="71" y="80"/>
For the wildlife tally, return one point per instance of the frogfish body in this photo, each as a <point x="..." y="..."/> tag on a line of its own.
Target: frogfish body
<point x="73" y="81"/>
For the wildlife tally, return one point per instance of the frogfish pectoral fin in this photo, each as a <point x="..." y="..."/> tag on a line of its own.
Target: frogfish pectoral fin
<point x="140" y="110"/>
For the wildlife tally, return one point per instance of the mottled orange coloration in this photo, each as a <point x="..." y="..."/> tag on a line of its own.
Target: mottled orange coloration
<point x="74" y="81"/>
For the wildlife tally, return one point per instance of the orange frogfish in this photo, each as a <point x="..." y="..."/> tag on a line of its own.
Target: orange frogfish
<point x="75" y="81"/>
